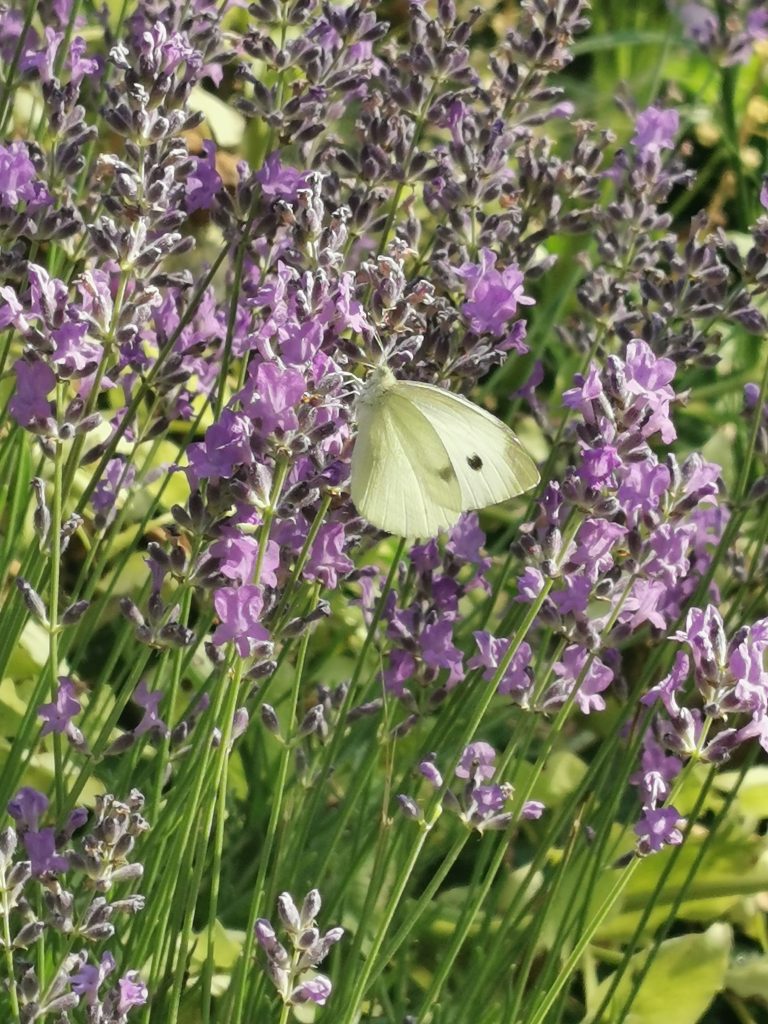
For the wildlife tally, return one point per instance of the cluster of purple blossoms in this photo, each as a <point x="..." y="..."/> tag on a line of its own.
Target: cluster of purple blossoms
<point x="62" y="886"/>
<point x="726" y="31"/>
<point x="424" y="663"/>
<point x="313" y="290"/>
<point x="670" y="287"/>
<point x="309" y="947"/>
<point x="480" y="804"/>
<point x="620" y="543"/>
<point x="730" y="684"/>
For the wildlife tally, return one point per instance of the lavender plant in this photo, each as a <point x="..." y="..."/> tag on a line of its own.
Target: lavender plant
<point x="517" y="759"/>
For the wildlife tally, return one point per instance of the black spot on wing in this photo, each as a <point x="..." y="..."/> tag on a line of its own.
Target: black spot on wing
<point x="446" y="473"/>
<point x="474" y="462"/>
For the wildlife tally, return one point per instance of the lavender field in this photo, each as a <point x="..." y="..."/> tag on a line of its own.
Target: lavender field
<point x="323" y="697"/>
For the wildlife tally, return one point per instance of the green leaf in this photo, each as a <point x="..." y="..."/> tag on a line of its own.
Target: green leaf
<point x="686" y="974"/>
<point x="748" y="976"/>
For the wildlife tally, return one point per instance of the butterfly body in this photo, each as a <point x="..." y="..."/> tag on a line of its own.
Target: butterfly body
<point x="424" y="455"/>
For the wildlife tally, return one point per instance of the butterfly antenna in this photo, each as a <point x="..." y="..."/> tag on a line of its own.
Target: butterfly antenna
<point x="352" y="384"/>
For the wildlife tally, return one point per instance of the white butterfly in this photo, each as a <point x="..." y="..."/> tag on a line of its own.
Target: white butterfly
<point x="424" y="455"/>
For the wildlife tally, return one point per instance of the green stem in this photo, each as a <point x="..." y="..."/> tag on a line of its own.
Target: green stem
<point x="266" y="858"/>
<point x="54" y="543"/>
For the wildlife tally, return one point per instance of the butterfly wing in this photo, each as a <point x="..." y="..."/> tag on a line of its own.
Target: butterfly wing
<point x="403" y="480"/>
<point x="489" y="462"/>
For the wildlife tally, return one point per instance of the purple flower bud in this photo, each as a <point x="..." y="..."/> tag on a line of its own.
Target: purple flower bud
<point x="313" y="722"/>
<point x="307" y="939"/>
<point x="409" y="807"/>
<point x="310" y="908"/>
<point x="18" y="876"/>
<point x="269" y="719"/>
<point x="8" y="843"/>
<point x="74" y="613"/>
<point x="41" y="517"/>
<point x="289" y="915"/>
<point x="429" y="770"/>
<point x="32" y="600"/>
<point x="28" y="934"/>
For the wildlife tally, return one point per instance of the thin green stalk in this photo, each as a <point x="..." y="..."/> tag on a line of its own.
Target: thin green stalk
<point x="729" y="80"/>
<point x="734" y="524"/>
<point x="10" y="987"/>
<point x="9" y="85"/>
<point x="282" y="611"/>
<point x="351" y="1012"/>
<point x="271" y="841"/>
<point x="632" y="945"/>
<point x="421" y="906"/>
<point x="333" y="748"/>
<point x="54" y="542"/>
<point x="217" y="809"/>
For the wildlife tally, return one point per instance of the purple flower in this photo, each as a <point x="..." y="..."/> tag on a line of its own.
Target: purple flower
<point x="431" y="773"/>
<point x="642" y="604"/>
<point x="42" y="60"/>
<point x="658" y="770"/>
<point x="480" y="803"/>
<point x="439" y="651"/>
<point x="757" y="23"/>
<point x="79" y="65"/>
<point x="271" y="395"/>
<point x="57" y="716"/>
<point x="204" y="182"/>
<point x="119" y="475"/>
<point x="226" y="446"/>
<point x="18" y="177"/>
<point x="746" y="669"/>
<point x="643" y="484"/>
<point x="267" y="938"/>
<point x="649" y="377"/>
<point x="699" y="23"/>
<point x="12" y="312"/>
<point x="150" y="702"/>
<point x="310" y="948"/>
<point x="401" y="670"/>
<point x="75" y="820"/>
<point x="493" y="295"/>
<point x="41" y="849"/>
<point x="34" y="382"/>
<point x="327" y="560"/>
<point x="239" y="610"/>
<point x="655" y="129"/>
<point x="28" y="807"/>
<point x="517" y="678"/>
<point x="133" y="992"/>
<point x="532" y="810"/>
<point x="489" y="801"/>
<point x="530" y="584"/>
<point x="592" y="676"/>
<point x="239" y="557"/>
<point x="593" y="547"/>
<point x="75" y="355"/>
<point x="87" y="981"/>
<point x="658" y="828"/>
<point x="316" y="990"/>
<point x="669" y="686"/>
<point x="598" y="464"/>
<point x="426" y="557"/>
<point x="465" y="543"/>
<point x="704" y="634"/>
<point x="279" y="180"/>
<point x="476" y="762"/>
